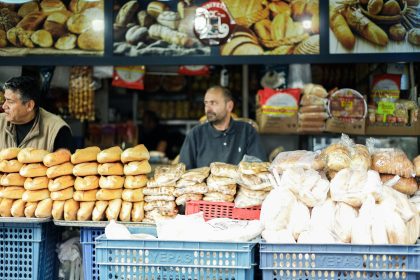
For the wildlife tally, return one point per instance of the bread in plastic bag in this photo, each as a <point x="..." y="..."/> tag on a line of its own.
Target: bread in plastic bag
<point x="199" y="188"/>
<point x="181" y="200"/>
<point x="224" y="170"/>
<point x="299" y="220"/>
<point x="214" y="181"/>
<point x="308" y="100"/>
<point x="224" y="229"/>
<point x="252" y="168"/>
<point x="406" y="186"/>
<point x="314" y="188"/>
<point x="360" y="157"/>
<point x="413" y="229"/>
<point x="392" y="161"/>
<point x="218" y="197"/>
<point x="399" y="203"/>
<point x="260" y="181"/>
<point x="315" y="90"/>
<point x="317" y="236"/>
<point x="337" y="156"/>
<point x="166" y="174"/>
<point x="197" y="175"/>
<point x="248" y="198"/>
<point x="163" y="205"/>
<point x="159" y="191"/>
<point x="228" y="189"/>
<point x="322" y="216"/>
<point x="276" y="208"/>
<point x="343" y="219"/>
<point x="361" y="231"/>
<point x="278" y="236"/>
<point x="378" y="226"/>
<point x="296" y="159"/>
<point x="153" y="183"/>
<point x="150" y="198"/>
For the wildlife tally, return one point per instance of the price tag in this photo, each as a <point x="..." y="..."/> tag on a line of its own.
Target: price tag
<point x="385" y="108"/>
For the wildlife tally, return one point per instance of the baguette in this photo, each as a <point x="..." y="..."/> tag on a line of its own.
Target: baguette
<point x="60" y="170"/>
<point x="137" y="153"/>
<point x="35" y="196"/>
<point x="9" y="153"/>
<point x="111" y="182"/>
<point x="6" y="207"/>
<point x="98" y="213"/>
<point x="85" y="195"/>
<point x="44" y="208"/>
<point x="85" y="155"/>
<point x="104" y="194"/>
<point x="133" y="195"/>
<point x="70" y="210"/>
<point x="58" y="210"/>
<point x="125" y="213"/>
<point x="137" y="212"/>
<point x="33" y="170"/>
<point x="31" y="155"/>
<point x="30" y="208"/>
<point x="58" y="157"/>
<point x="10" y="166"/>
<point x="85" y="211"/>
<point x="18" y="208"/>
<point x="62" y="194"/>
<point x="61" y="183"/>
<point x="341" y="29"/>
<point x="12" y="192"/>
<point x="37" y="183"/>
<point x="113" y="210"/>
<point x="86" y="183"/>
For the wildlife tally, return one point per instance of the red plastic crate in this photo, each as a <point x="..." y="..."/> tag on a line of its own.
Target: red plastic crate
<point x="213" y="210"/>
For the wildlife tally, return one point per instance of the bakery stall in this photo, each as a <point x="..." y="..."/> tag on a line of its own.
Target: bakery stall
<point x="326" y="205"/>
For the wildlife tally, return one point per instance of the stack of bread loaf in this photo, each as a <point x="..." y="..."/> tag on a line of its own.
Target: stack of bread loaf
<point x="159" y="194"/>
<point x="192" y="185"/>
<point x="313" y="113"/>
<point x="61" y="180"/>
<point x="254" y="184"/>
<point x="221" y="183"/>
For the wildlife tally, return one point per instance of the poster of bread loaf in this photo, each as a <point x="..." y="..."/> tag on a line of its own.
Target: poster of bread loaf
<point x="273" y="27"/>
<point x="51" y="27"/>
<point x="374" y="26"/>
<point x="156" y="28"/>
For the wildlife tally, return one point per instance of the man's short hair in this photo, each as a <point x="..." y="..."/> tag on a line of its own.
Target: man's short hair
<point x="227" y="94"/>
<point x="27" y="87"/>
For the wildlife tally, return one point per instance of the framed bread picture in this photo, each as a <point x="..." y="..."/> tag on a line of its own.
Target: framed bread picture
<point x="53" y="27"/>
<point x="157" y="28"/>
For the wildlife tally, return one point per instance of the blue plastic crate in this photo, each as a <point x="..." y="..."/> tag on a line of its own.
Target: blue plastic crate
<point x="163" y="259"/>
<point x="27" y="251"/>
<point x="339" y="261"/>
<point x="87" y="239"/>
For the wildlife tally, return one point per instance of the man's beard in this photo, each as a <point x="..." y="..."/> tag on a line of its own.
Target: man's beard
<point x="214" y="120"/>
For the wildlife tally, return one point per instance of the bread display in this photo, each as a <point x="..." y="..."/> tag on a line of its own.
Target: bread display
<point x="86" y="183"/>
<point x="56" y="158"/>
<point x="112" y="154"/>
<point x="85" y="155"/>
<point x="137" y="153"/>
<point x="86" y="169"/>
<point x="60" y="170"/>
<point x="31" y="155"/>
<point x="60" y="183"/>
<point x="85" y="211"/>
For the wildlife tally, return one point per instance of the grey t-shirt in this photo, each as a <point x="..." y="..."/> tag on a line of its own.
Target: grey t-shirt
<point x="204" y="145"/>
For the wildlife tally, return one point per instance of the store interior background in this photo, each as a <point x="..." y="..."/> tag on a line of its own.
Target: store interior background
<point x="178" y="101"/>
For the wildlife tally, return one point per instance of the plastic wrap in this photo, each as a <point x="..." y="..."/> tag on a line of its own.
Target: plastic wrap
<point x="296" y="159"/>
<point x="276" y="208"/>
<point x="224" y="170"/>
<point x="392" y="161"/>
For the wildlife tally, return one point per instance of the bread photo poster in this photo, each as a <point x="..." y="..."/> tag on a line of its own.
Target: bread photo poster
<point x="374" y="26"/>
<point x="52" y="27"/>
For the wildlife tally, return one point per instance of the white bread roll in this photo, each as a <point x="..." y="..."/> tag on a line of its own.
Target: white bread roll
<point x="112" y="154"/>
<point x="31" y="155"/>
<point x="133" y="195"/>
<point x="125" y="213"/>
<point x="71" y="207"/>
<point x="137" y="213"/>
<point x="98" y="213"/>
<point x="107" y="169"/>
<point x="58" y="157"/>
<point x="30" y="208"/>
<point x="85" y="169"/>
<point x="33" y="170"/>
<point x="37" y="183"/>
<point x="5" y="207"/>
<point x="12" y="192"/>
<point x="35" y="196"/>
<point x="85" y="155"/>
<point x="61" y="183"/>
<point x="89" y="195"/>
<point x="12" y="179"/>
<point x="85" y="211"/>
<point x="10" y="166"/>
<point x="60" y="170"/>
<point x="113" y="209"/>
<point x="18" y="208"/>
<point x="62" y="194"/>
<point x="86" y="183"/>
<point x="44" y="208"/>
<point x="9" y="153"/>
<point x="58" y="210"/>
<point x="137" y="153"/>
<point x="135" y="182"/>
<point x="104" y="194"/>
<point x="111" y="182"/>
<point x="137" y="168"/>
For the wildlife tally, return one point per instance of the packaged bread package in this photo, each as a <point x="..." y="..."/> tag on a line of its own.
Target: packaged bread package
<point x="60" y="183"/>
<point x="137" y="168"/>
<point x="132" y="195"/>
<point x="159" y="191"/>
<point x="12" y="192"/>
<point x="150" y="198"/>
<point x="252" y="168"/>
<point x="30" y="208"/>
<point x="196" y="175"/>
<point x="44" y="208"/>
<point x="98" y="213"/>
<point x="5" y="207"/>
<point x="407" y="186"/>
<point x="12" y="179"/>
<point x="58" y="157"/>
<point x="71" y="207"/>
<point x="85" y="211"/>
<point x="260" y="195"/>
<point x="85" y="155"/>
<point x="200" y="188"/>
<point x="157" y="215"/>
<point x="314" y="89"/>
<point x="125" y="213"/>
<point x="18" y="208"/>
<point x="182" y="199"/>
<point x="89" y="195"/>
<point x="244" y="201"/>
<point x="312" y="109"/>
<point x="135" y="182"/>
<point x="182" y="183"/>
<point x="257" y="182"/>
<point x="113" y="210"/>
<point x="360" y="157"/>
<point x="57" y="211"/>
<point x="104" y="194"/>
<point x="10" y="166"/>
<point x="86" y="183"/>
<point x="215" y="181"/>
<point x="416" y="162"/>
<point x="227" y="189"/>
<point x="33" y="170"/>
<point x="224" y="170"/>
<point x="165" y="174"/>
<point x="154" y="183"/>
<point x="112" y="154"/>
<point x="392" y="161"/>
<point x="162" y="205"/>
<point x="85" y="169"/>
<point x="107" y="169"/>
<point x="9" y="153"/>
<point x="37" y="183"/>
<point x="338" y="157"/>
<point x="137" y="212"/>
<point x="62" y="194"/>
<point x="218" y="197"/>
<point x="136" y="153"/>
<point x="295" y="159"/>
<point x="35" y="196"/>
<point x="111" y="182"/>
<point x="60" y="170"/>
<point x="31" y="155"/>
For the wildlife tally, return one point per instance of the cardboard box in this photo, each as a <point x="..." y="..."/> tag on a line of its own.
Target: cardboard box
<point x="334" y="125"/>
<point x="276" y="125"/>
<point x="393" y="129"/>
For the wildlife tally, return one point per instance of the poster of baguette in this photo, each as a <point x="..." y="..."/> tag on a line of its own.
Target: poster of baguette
<point x="374" y="26"/>
<point x="156" y="28"/>
<point x="273" y="27"/>
<point x="53" y="27"/>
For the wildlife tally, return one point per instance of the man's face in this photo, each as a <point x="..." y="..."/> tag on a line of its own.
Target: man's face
<point x="16" y="111"/>
<point x="216" y="107"/>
